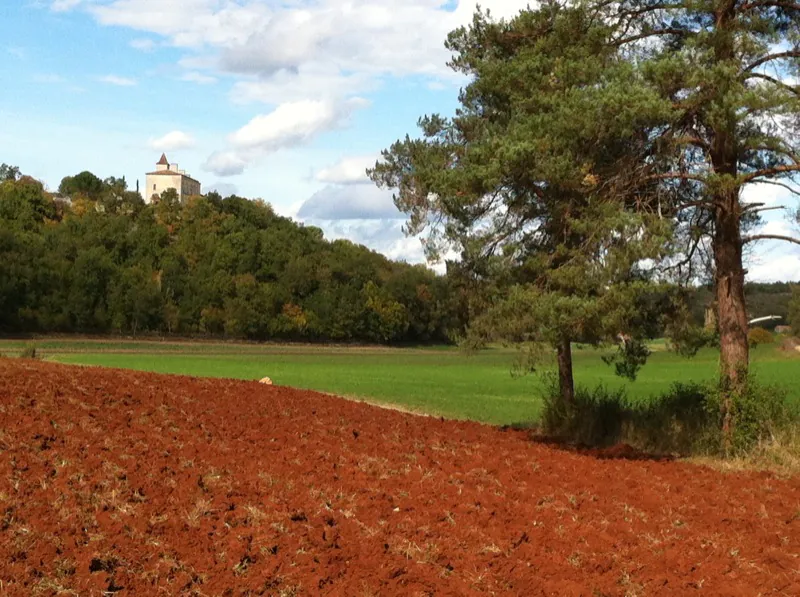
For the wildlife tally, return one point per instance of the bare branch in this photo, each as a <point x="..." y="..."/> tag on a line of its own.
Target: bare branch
<point x="771" y="57"/>
<point x="656" y="33"/>
<point x="692" y="140"/>
<point x="755" y="237"/>
<point x="770" y="4"/>
<point x="770" y="172"/>
<point x="758" y="208"/>
<point x="774" y="81"/>
<point x="676" y="176"/>
<point x="776" y="183"/>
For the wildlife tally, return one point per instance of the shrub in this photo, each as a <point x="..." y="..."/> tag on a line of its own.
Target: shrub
<point x="595" y="418"/>
<point x="758" y="336"/>
<point x="686" y="420"/>
<point x="758" y="413"/>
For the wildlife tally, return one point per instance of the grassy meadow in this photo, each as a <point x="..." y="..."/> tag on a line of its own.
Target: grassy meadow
<point x="440" y="381"/>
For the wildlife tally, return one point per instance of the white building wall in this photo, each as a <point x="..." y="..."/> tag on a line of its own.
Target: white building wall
<point x="156" y="184"/>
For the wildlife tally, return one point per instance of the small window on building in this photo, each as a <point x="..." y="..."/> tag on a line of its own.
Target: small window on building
<point x="154" y="187"/>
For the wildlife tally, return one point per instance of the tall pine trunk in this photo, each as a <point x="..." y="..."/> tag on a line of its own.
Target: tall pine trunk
<point x="566" y="382"/>
<point x="731" y="311"/>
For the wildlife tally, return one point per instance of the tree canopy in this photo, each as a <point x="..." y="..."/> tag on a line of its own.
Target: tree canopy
<point x="209" y="266"/>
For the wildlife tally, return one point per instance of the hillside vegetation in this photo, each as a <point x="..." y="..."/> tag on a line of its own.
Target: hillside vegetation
<point x="105" y="262"/>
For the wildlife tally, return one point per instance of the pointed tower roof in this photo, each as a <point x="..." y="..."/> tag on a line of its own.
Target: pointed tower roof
<point x="163" y="161"/>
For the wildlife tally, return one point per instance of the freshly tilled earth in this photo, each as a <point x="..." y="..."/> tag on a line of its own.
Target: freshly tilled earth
<point x="116" y="482"/>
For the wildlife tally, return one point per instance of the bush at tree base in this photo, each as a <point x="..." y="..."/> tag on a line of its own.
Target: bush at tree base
<point x="685" y="421"/>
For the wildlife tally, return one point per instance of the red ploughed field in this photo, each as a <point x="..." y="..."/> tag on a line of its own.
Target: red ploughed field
<point x="115" y="482"/>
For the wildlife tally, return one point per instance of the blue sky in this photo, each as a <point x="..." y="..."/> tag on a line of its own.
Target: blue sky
<point x="286" y="100"/>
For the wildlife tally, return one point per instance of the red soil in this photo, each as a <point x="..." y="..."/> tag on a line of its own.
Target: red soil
<point x="114" y="481"/>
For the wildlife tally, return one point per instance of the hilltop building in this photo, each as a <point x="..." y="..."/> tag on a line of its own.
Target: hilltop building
<point x="169" y="176"/>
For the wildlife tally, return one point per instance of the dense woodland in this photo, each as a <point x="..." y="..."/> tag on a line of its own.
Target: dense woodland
<point x="106" y="262"/>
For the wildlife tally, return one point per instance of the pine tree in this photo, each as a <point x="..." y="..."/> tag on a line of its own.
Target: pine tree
<point x="516" y="182"/>
<point x="727" y="67"/>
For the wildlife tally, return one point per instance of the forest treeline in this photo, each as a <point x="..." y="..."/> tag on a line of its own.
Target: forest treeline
<point x="105" y="262"/>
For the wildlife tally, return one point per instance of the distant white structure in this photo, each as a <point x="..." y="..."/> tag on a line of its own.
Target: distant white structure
<point x="169" y="176"/>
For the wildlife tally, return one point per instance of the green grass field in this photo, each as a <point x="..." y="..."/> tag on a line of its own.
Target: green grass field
<point x="439" y="381"/>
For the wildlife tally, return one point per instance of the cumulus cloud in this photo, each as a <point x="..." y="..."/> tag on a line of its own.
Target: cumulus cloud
<point x="384" y="236"/>
<point x="349" y="170"/>
<point x="172" y="140"/>
<point x="293" y="123"/>
<point x="289" y="125"/>
<point x="119" y="81"/>
<point x="225" y="163"/>
<point x="188" y="23"/>
<point x="286" y="47"/>
<point x="350" y="202"/>
<point x="199" y="78"/>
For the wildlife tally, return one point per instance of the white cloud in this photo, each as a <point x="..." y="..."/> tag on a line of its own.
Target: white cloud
<point x="778" y="227"/>
<point x="199" y="78"/>
<point x="293" y="123"/>
<point x="172" y="140"/>
<point x="315" y="81"/>
<point x="384" y="236"/>
<point x="350" y="202"/>
<point x="225" y="163"/>
<point x="769" y="194"/>
<point x="295" y="49"/>
<point x="776" y="268"/>
<point x="119" y="81"/>
<point x="16" y="52"/>
<point x="349" y="170"/>
<point x="144" y="44"/>
<point x="188" y="23"/>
